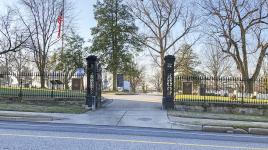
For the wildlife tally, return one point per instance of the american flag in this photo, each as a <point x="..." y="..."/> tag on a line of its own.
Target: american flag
<point x="60" y="21"/>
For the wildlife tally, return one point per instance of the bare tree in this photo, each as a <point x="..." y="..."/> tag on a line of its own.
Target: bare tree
<point x="12" y="38"/>
<point x="42" y="16"/>
<point x="161" y="18"/>
<point x="155" y="80"/>
<point x="20" y="64"/>
<point x="6" y="67"/>
<point x="239" y="28"/>
<point x="217" y="63"/>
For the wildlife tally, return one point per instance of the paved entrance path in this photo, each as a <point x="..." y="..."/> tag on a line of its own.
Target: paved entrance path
<point x="125" y="110"/>
<point x="136" y="110"/>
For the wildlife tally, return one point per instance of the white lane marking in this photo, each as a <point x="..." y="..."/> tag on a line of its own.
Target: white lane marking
<point x="131" y="141"/>
<point x="136" y="130"/>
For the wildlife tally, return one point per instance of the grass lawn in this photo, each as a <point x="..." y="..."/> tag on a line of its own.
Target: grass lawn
<point x="36" y="92"/>
<point x="47" y="109"/>
<point x="219" y="99"/>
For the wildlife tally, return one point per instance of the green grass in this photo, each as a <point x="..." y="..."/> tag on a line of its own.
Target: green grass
<point x="47" y="109"/>
<point x="36" y="92"/>
<point x="219" y="99"/>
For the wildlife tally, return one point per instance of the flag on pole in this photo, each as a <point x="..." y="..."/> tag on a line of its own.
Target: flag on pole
<point x="60" y="21"/>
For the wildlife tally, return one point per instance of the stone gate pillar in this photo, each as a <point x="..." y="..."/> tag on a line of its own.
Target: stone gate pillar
<point x="168" y="83"/>
<point x="91" y="94"/>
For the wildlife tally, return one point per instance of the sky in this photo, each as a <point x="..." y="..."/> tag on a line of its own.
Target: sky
<point x="83" y="12"/>
<point x="83" y="21"/>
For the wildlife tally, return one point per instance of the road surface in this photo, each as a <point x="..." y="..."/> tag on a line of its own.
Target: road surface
<point x="47" y="136"/>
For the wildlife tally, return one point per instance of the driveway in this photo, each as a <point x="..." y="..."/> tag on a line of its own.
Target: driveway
<point x="136" y="110"/>
<point x="125" y="110"/>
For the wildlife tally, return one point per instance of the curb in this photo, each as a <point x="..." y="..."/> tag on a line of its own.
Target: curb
<point x="218" y="129"/>
<point x="223" y="129"/>
<point x="28" y="118"/>
<point x="31" y="119"/>
<point x="258" y="131"/>
<point x="190" y="126"/>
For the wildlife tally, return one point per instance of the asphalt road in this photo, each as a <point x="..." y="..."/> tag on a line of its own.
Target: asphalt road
<point x="45" y="136"/>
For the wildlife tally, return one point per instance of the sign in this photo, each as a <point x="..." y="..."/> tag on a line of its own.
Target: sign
<point x="80" y="71"/>
<point x="187" y="88"/>
<point x="77" y="84"/>
<point x="120" y="80"/>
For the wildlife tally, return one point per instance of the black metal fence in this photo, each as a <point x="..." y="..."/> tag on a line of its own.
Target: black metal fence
<point x="36" y="85"/>
<point x="204" y="89"/>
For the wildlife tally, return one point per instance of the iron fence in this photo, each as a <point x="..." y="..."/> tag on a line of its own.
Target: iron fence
<point x="36" y="85"/>
<point x="203" y="89"/>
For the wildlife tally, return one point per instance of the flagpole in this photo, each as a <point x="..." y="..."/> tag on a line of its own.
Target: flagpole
<point x="62" y="34"/>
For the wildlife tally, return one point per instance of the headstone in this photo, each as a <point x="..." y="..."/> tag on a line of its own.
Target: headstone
<point x="120" y="80"/>
<point x="202" y="90"/>
<point x="187" y="88"/>
<point x="77" y="84"/>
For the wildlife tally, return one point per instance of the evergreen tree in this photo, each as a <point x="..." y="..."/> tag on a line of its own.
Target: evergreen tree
<point x="186" y="61"/>
<point x="70" y="59"/>
<point x="115" y="37"/>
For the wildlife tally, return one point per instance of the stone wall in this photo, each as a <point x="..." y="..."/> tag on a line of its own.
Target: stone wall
<point x="224" y="108"/>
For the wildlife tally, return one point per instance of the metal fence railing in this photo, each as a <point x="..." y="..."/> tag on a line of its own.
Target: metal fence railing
<point x="33" y="85"/>
<point x="204" y="89"/>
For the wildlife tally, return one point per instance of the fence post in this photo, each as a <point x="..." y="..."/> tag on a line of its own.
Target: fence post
<point x="91" y="80"/>
<point x="168" y="82"/>
<point x="242" y="93"/>
<point x="52" y="91"/>
<point x="20" y="93"/>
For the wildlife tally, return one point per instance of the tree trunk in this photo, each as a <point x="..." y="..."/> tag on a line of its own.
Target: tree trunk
<point x="114" y="80"/>
<point x="134" y="88"/>
<point x="42" y="80"/>
<point x="249" y="86"/>
<point x="162" y="70"/>
<point x="66" y="83"/>
<point x="216" y="83"/>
